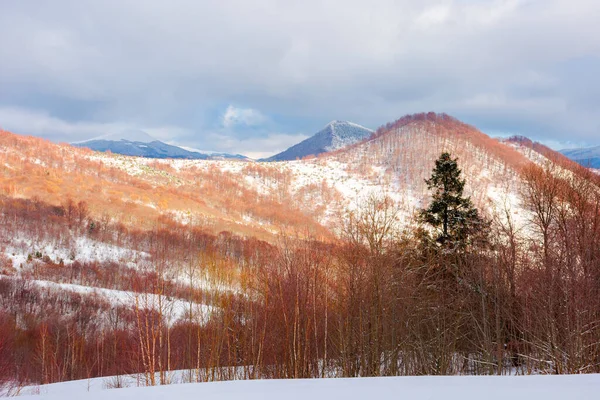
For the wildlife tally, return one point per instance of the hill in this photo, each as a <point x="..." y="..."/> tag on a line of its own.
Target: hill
<point x="588" y="157"/>
<point x="140" y="144"/>
<point x="113" y="265"/>
<point x="258" y="199"/>
<point x="336" y="135"/>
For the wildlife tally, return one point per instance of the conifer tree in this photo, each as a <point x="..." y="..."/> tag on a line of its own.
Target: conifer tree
<point x="452" y="216"/>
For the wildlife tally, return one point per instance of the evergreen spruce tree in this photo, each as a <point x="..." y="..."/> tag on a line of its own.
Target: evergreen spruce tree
<point x="453" y="217"/>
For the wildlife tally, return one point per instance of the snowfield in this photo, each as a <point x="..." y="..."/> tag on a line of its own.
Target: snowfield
<point x="173" y="309"/>
<point x="547" y="387"/>
<point x="79" y="248"/>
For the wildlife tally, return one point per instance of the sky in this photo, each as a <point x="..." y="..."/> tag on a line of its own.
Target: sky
<point x="255" y="77"/>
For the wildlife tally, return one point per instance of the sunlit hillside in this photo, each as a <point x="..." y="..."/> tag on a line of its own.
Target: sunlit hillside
<point x="114" y="265"/>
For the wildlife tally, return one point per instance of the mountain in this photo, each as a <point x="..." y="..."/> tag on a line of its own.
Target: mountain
<point x="334" y="136"/>
<point x="154" y="149"/>
<point x="588" y="157"/>
<point x="138" y="143"/>
<point x="99" y="254"/>
<point x="132" y="135"/>
<point x="256" y="199"/>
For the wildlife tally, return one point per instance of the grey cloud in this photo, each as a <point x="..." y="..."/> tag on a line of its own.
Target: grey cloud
<point x="524" y="65"/>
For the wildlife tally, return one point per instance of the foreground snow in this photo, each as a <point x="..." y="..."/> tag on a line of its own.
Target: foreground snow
<point x="545" y="387"/>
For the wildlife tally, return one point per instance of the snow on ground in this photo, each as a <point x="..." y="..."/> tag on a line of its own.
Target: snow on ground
<point x="354" y="189"/>
<point x="173" y="309"/>
<point x="201" y="280"/>
<point x="350" y="179"/>
<point x="82" y="249"/>
<point x="507" y="202"/>
<point x="546" y="387"/>
<point x="528" y="152"/>
<point x="351" y="186"/>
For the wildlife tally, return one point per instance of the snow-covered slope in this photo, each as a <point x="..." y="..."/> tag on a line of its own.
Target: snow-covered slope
<point x="394" y="164"/>
<point x="547" y="387"/>
<point x="139" y="143"/>
<point x="249" y="197"/>
<point x="132" y="135"/>
<point x="85" y="257"/>
<point x="336" y="135"/>
<point x="155" y="149"/>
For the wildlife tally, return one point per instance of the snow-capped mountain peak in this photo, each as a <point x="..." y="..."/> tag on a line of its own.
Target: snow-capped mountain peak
<point x="129" y="135"/>
<point x="344" y="133"/>
<point x="139" y="143"/>
<point x="337" y="122"/>
<point x="334" y="136"/>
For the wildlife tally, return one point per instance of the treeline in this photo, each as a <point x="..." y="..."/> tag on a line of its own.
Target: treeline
<point x="522" y="297"/>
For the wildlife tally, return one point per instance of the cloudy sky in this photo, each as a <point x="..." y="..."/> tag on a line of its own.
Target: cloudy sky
<point x="254" y="77"/>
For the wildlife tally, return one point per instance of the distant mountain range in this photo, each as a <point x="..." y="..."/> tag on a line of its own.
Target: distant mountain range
<point x="140" y="144"/>
<point x="588" y="157"/>
<point x="335" y="135"/>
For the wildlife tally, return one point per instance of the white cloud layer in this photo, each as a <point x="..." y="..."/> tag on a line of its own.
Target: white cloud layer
<point x="528" y="66"/>
<point x="256" y="147"/>
<point x="242" y="116"/>
<point x="39" y="123"/>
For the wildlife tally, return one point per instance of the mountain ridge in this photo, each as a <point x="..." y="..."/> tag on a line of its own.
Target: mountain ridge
<point x="393" y="162"/>
<point x="138" y="143"/>
<point x="585" y="156"/>
<point x="199" y="242"/>
<point x="334" y="136"/>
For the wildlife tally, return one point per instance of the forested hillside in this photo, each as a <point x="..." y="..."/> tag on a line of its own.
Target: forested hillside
<point x="321" y="267"/>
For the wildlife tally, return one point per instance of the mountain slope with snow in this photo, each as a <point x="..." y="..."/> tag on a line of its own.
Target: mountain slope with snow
<point x="155" y="149"/>
<point x="114" y="238"/>
<point x="336" y="135"/>
<point x="588" y="157"/>
<point x="140" y="144"/>
<point x="251" y="198"/>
